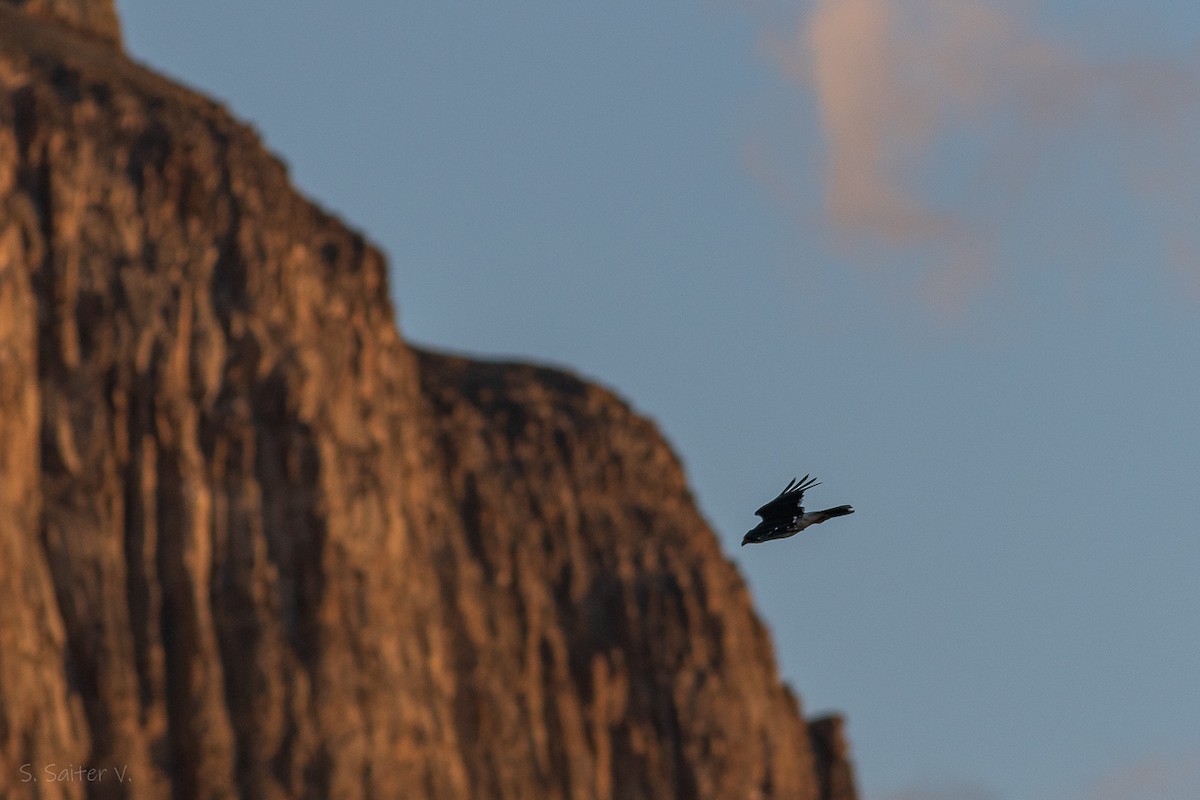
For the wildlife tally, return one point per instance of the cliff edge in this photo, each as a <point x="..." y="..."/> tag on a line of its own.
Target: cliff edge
<point x="96" y="18"/>
<point x="253" y="544"/>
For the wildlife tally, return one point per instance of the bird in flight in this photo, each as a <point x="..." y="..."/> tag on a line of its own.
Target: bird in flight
<point x="784" y="516"/>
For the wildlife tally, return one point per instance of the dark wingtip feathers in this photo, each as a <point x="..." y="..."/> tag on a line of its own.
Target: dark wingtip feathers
<point x="805" y="484"/>
<point x="800" y="486"/>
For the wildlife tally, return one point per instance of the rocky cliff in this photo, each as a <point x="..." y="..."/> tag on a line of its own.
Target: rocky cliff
<point x="253" y="544"/>
<point x="96" y="18"/>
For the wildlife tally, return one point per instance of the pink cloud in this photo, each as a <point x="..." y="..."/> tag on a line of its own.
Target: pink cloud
<point x="942" y="119"/>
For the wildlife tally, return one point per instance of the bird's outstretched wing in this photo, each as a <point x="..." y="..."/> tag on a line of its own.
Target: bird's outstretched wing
<point x="789" y="500"/>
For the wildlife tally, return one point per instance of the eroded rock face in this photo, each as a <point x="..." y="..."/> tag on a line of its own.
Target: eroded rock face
<point x="581" y="576"/>
<point x="90" y="17"/>
<point x="252" y="544"/>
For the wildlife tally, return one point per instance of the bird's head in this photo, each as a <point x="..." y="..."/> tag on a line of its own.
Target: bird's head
<point x="751" y="537"/>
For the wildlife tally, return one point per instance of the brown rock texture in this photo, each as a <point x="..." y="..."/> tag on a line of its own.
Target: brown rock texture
<point x="835" y="773"/>
<point x="253" y="544"/>
<point x="90" y="17"/>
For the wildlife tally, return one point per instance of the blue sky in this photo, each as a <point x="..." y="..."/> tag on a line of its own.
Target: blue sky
<point x="937" y="253"/>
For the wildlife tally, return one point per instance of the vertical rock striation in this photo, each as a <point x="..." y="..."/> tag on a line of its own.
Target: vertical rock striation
<point x="835" y="773"/>
<point x="252" y="544"/>
<point x="601" y="641"/>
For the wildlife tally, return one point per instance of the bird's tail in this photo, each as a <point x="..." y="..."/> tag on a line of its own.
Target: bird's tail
<point x="840" y="511"/>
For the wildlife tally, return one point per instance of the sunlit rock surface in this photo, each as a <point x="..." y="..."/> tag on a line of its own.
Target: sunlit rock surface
<point x="253" y="544"/>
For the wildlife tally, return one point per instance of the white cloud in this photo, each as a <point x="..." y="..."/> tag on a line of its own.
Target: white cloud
<point x="942" y="119"/>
